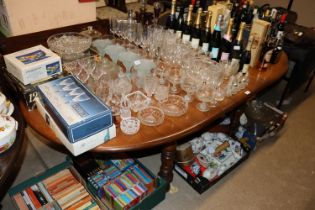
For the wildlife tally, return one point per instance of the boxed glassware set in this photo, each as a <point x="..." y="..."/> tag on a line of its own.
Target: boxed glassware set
<point x="33" y="64"/>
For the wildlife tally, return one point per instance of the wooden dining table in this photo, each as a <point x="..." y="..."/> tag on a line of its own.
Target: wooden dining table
<point x="166" y="136"/>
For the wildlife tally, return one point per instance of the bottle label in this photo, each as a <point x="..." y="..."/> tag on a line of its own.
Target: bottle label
<point x="171" y="30"/>
<point x="205" y="47"/>
<point x="195" y="43"/>
<point x="178" y="34"/>
<point x="225" y="56"/>
<point x="279" y="34"/>
<point x="214" y="52"/>
<point x="245" y="68"/>
<point x="267" y="56"/>
<point x="186" y="38"/>
<point x="236" y="47"/>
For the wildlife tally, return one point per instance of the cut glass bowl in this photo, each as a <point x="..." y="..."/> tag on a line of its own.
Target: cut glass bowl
<point x="69" y="45"/>
<point x="151" y="116"/>
<point x="130" y="126"/>
<point x="174" y="106"/>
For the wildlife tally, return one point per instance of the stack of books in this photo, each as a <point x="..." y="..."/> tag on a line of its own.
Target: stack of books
<point x="60" y="191"/>
<point x="119" y="183"/>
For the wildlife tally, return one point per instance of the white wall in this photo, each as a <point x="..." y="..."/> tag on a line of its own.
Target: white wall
<point x="304" y="8"/>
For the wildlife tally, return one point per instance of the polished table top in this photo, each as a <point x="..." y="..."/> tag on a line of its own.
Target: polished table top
<point x="174" y="128"/>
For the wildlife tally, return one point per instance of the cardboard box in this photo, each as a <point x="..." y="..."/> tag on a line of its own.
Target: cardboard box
<point x="77" y="111"/>
<point x="149" y="202"/>
<point x="259" y="31"/>
<point x="81" y="146"/>
<point x="220" y="164"/>
<point x="33" y="64"/>
<point x="23" y="17"/>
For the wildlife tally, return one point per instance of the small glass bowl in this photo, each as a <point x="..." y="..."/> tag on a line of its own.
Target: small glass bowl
<point x="174" y="106"/>
<point x="151" y="116"/>
<point x="130" y="126"/>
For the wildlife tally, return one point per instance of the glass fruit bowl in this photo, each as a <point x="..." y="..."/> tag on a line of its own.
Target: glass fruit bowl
<point x="174" y="106"/>
<point x="69" y="45"/>
<point x="151" y="116"/>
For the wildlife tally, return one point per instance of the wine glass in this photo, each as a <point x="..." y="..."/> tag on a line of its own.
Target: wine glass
<point x="150" y="84"/>
<point x="190" y="86"/>
<point x="161" y="92"/>
<point x="205" y="95"/>
<point x="174" y="77"/>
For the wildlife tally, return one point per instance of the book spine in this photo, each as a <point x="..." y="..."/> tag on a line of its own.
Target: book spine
<point x="39" y="195"/>
<point x="33" y="198"/>
<point x="27" y="200"/>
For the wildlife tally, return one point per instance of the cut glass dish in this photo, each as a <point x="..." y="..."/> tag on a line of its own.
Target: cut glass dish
<point x="130" y="126"/>
<point x="137" y="100"/>
<point x="69" y="45"/>
<point x="151" y="116"/>
<point x="174" y="106"/>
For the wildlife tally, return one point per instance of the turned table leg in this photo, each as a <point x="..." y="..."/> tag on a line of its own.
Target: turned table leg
<point x="167" y="158"/>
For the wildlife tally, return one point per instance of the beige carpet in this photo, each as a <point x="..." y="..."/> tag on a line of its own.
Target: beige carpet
<point x="280" y="174"/>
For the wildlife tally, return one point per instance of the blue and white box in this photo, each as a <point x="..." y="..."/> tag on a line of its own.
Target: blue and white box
<point x="33" y="64"/>
<point x="78" y="112"/>
<point x="81" y="146"/>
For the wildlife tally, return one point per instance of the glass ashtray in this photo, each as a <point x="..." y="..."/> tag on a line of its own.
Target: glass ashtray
<point x="137" y="100"/>
<point x="151" y="116"/>
<point x="69" y="45"/>
<point x="130" y="126"/>
<point x="174" y="106"/>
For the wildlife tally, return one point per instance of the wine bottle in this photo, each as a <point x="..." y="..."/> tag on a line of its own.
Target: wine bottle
<point x="266" y="53"/>
<point x="238" y="43"/>
<point x="250" y="12"/>
<point x="275" y="55"/>
<point x="180" y="23"/>
<point x="273" y="23"/>
<point x="246" y="56"/>
<point x="267" y="16"/>
<point x="226" y="45"/>
<point x="216" y="39"/>
<point x="235" y="14"/>
<point x="244" y="14"/>
<point x="187" y="26"/>
<point x="196" y="30"/>
<point x="281" y="26"/>
<point x="205" y="37"/>
<point x="171" y="19"/>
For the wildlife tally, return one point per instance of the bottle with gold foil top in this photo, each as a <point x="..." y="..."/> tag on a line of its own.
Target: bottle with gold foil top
<point x="187" y="26"/>
<point x="246" y="55"/>
<point x="196" y="30"/>
<point x="171" y="19"/>
<point x="238" y="44"/>
<point x="226" y="45"/>
<point x="205" y="36"/>
<point x="216" y="39"/>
